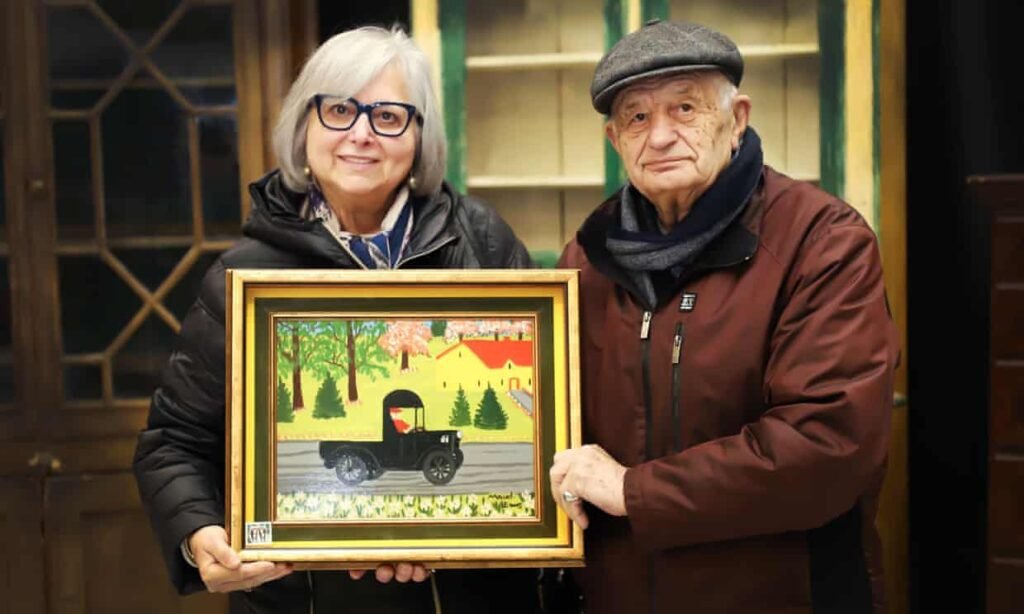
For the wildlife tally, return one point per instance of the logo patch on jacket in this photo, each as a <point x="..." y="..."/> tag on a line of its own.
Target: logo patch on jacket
<point x="688" y="301"/>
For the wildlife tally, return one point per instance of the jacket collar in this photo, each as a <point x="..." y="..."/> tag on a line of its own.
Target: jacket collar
<point x="275" y="219"/>
<point x="735" y="246"/>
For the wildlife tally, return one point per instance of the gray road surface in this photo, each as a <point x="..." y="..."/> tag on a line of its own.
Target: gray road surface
<point x="488" y="467"/>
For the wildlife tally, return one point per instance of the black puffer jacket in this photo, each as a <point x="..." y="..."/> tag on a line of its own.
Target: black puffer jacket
<point x="179" y="461"/>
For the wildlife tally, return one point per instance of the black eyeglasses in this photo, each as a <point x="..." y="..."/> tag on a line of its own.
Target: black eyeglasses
<point x="386" y="118"/>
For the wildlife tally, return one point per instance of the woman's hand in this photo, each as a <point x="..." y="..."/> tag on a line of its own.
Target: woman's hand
<point x="403" y="572"/>
<point x="221" y="569"/>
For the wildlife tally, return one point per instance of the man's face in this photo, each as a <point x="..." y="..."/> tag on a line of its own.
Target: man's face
<point x="673" y="135"/>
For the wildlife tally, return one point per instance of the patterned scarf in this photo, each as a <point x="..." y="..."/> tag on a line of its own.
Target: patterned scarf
<point x="380" y="250"/>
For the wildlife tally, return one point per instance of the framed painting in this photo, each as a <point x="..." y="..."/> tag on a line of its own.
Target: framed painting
<point x="401" y="416"/>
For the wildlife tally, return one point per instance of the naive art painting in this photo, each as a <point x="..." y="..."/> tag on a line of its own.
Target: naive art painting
<point x="405" y="418"/>
<point x="380" y="416"/>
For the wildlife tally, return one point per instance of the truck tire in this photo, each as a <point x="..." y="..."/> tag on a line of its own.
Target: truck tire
<point x="351" y="469"/>
<point x="439" y="467"/>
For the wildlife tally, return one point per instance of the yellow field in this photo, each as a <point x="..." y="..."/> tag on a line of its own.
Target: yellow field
<point x="363" y="421"/>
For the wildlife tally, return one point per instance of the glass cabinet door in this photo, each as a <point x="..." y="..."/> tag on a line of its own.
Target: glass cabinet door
<point x="144" y="115"/>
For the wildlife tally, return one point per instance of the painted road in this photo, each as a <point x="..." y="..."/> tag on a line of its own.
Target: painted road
<point x="488" y="467"/>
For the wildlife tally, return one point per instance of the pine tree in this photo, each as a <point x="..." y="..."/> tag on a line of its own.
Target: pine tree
<point x="328" y="401"/>
<point x="284" y="403"/>
<point x="489" y="414"/>
<point x="460" y="411"/>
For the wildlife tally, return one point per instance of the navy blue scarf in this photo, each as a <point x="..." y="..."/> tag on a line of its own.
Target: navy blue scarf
<point x="639" y="246"/>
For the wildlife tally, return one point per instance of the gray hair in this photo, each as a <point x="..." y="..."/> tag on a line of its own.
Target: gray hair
<point x="342" y="66"/>
<point x="727" y="91"/>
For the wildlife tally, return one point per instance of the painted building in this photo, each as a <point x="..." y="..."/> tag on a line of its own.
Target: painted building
<point x="475" y="364"/>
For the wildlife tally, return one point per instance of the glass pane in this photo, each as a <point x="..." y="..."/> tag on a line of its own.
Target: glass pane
<point x="139" y="20"/>
<point x="151" y="266"/>
<point x="73" y="170"/>
<point x="198" y="55"/>
<point x="84" y="56"/>
<point x="95" y="304"/>
<point x="218" y="150"/>
<point x="146" y="165"/>
<point x="82" y="382"/>
<point x="207" y="96"/>
<point x="184" y="293"/>
<point x="80" y="47"/>
<point x="138" y="365"/>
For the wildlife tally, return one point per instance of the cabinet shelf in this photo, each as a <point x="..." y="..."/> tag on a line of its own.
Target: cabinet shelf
<point x="589" y="59"/>
<point x="533" y="61"/>
<point x="781" y="51"/>
<point x="535" y="181"/>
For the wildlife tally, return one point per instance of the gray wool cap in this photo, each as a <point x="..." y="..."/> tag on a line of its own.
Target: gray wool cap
<point x="662" y="48"/>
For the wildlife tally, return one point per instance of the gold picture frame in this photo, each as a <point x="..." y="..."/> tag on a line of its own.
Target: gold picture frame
<point x="401" y="416"/>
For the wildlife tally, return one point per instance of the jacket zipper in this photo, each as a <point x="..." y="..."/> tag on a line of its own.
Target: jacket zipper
<point x="677" y="351"/>
<point x="403" y="261"/>
<point x="645" y="362"/>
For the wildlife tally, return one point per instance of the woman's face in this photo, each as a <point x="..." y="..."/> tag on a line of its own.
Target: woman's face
<point x="358" y="170"/>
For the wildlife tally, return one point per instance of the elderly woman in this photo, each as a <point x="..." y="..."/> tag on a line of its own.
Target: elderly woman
<point x="362" y="152"/>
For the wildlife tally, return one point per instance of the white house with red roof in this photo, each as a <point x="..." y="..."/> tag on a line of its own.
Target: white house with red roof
<point x="474" y="364"/>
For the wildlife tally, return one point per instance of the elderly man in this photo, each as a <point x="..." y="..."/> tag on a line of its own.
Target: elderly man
<point x="737" y="357"/>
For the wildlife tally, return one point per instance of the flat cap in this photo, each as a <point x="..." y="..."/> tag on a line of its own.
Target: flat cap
<point x="662" y="48"/>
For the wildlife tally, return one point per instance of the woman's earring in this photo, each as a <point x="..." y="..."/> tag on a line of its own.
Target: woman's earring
<point x="412" y="182"/>
<point x="307" y="171"/>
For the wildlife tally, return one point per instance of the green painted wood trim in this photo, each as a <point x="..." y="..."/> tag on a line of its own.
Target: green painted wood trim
<point x="452" y="18"/>
<point x="832" y="81"/>
<point x="614" y="28"/>
<point x="654" y="9"/>
<point x="876" y="113"/>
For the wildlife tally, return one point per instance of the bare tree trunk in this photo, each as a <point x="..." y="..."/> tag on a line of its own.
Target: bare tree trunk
<point x="353" y="392"/>
<point x="405" y="360"/>
<point x="297" y="401"/>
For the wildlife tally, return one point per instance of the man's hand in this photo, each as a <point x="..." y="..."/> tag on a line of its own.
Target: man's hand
<point x="591" y="474"/>
<point x="402" y="572"/>
<point x="221" y="569"/>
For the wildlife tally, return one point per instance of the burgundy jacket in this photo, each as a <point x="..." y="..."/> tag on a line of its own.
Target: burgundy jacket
<point x="756" y="457"/>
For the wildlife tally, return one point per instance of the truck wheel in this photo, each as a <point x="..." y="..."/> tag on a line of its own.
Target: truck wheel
<point x="375" y="472"/>
<point x="351" y="469"/>
<point x="439" y="467"/>
<point x="459" y="457"/>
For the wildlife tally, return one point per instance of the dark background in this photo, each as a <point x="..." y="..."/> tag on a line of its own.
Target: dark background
<point x="964" y="117"/>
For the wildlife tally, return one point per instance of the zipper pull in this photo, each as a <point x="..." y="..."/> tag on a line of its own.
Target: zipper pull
<point x="645" y="327"/>
<point x="677" y="343"/>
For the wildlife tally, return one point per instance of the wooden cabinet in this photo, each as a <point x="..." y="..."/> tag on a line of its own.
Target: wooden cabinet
<point x="525" y="138"/>
<point x="129" y="130"/>
<point x="21" y="575"/>
<point x="99" y="557"/>
<point x="1003" y="198"/>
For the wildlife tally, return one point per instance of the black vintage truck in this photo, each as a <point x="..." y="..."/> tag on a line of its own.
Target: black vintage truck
<point x="435" y="453"/>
